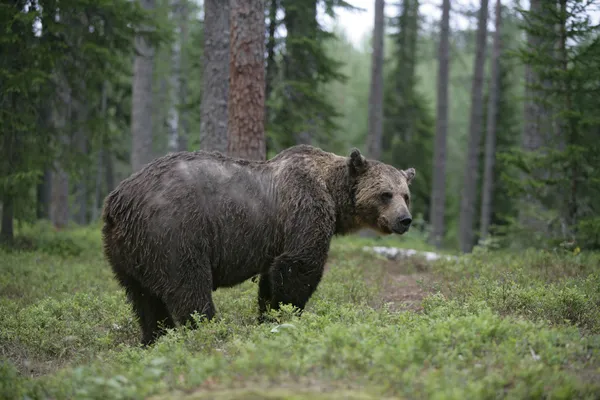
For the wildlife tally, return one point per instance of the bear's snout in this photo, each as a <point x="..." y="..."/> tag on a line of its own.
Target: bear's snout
<point x="402" y="224"/>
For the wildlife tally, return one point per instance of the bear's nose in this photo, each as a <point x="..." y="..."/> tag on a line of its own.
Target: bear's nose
<point x="405" y="221"/>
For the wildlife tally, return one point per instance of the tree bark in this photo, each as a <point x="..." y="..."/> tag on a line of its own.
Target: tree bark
<point x="271" y="64"/>
<point x="44" y="195"/>
<point x="215" y="91"/>
<point x="175" y="78"/>
<point x="247" y="80"/>
<point x="490" y="139"/>
<point x="438" y="203"/>
<point x="81" y="187"/>
<point x="182" y="140"/>
<point x="60" y="186"/>
<point x="109" y="170"/>
<point x="376" y="93"/>
<point x="467" y="204"/>
<point x="7" y="223"/>
<point x="7" y="228"/>
<point x="141" y="110"/>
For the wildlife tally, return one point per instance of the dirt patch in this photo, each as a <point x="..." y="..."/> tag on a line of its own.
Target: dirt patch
<point x="403" y="282"/>
<point x="283" y="388"/>
<point x="404" y="291"/>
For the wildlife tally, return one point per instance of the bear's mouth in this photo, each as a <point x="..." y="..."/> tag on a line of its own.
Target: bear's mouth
<point x="400" y="230"/>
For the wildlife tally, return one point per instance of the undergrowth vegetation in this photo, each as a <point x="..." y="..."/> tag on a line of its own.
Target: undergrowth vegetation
<point x="492" y="324"/>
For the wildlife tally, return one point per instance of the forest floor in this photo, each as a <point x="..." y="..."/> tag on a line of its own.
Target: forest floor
<point x="486" y="325"/>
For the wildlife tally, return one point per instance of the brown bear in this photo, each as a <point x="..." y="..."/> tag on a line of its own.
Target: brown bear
<point x="191" y="222"/>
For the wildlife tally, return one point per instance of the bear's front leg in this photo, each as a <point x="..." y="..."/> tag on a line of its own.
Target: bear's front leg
<point x="296" y="275"/>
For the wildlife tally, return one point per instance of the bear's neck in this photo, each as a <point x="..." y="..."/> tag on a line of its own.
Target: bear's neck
<point x="342" y="188"/>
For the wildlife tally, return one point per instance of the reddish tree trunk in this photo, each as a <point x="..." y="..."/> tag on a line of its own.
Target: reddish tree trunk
<point x="246" y="106"/>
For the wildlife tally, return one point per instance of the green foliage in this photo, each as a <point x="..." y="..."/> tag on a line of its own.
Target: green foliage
<point x="560" y="174"/>
<point x="299" y="112"/>
<point x="52" y="86"/>
<point x="509" y="325"/>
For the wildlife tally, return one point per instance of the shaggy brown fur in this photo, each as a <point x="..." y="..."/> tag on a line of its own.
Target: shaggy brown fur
<point x="191" y="222"/>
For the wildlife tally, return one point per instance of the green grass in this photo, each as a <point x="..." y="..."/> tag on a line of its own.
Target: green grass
<point x="492" y="325"/>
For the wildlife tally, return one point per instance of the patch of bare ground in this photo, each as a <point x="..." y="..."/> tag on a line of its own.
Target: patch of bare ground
<point x="288" y="388"/>
<point x="403" y="282"/>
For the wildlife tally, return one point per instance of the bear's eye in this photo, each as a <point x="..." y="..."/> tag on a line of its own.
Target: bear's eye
<point x="406" y="199"/>
<point x="386" y="196"/>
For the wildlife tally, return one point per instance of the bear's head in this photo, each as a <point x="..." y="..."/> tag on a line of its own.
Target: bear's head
<point x="381" y="193"/>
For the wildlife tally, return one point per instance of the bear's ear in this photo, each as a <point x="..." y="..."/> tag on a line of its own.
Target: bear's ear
<point x="410" y="174"/>
<point x="358" y="164"/>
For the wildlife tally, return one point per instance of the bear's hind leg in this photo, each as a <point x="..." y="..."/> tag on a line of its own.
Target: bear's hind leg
<point x="150" y="310"/>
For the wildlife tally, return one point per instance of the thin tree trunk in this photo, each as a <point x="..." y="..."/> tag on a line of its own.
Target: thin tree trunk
<point x="182" y="140"/>
<point x="60" y="186"/>
<point x="215" y="88"/>
<point x="376" y="93"/>
<point x="247" y="80"/>
<point x="141" y="110"/>
<point x="175" y="79"/>
<point x="109" y="170"/>
<point x="569" y="129"/>
<point x="101" y="155"/>
<point x="81" y="190"/>
<point x="60" y="198"/>
<point x="467" y="204"/>
<point x="81" y="187"/>
<point x="44" y="195"/>
<point x="271" y="64"/>
<point x="490" y="139"/>
<point x="7" y="228"/>
<point x="438" y="203"/>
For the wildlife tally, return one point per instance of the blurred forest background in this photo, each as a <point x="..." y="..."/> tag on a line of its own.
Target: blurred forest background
<point x="500" y="119"/>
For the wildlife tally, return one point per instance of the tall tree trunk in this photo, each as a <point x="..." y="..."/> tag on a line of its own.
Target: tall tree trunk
<point x="44" y="195"/>
<point x="467" y="203"/>
<point x="44" y="186"/>
<point x="490" y="139"/>
<point x="175" y="79"/>
<point x="182" y="140"/>
<point x="271" y="64"/>
<point x="7" y="223"/>
<point x="376" y="92"/>
<point x="98" y="195"/>
<point x="141" y="109"/>
<point x="247" y="80"/>
<point x="215" y="78"/>
<point x="109" y="170"/>
<point x="7" y="232"/>
<point x="60" y="198"/>
<point x="60" y="186"/>
<point x="81" y="188"/>
<point x="438" y="203"/>
<point x="569" y="127"/>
